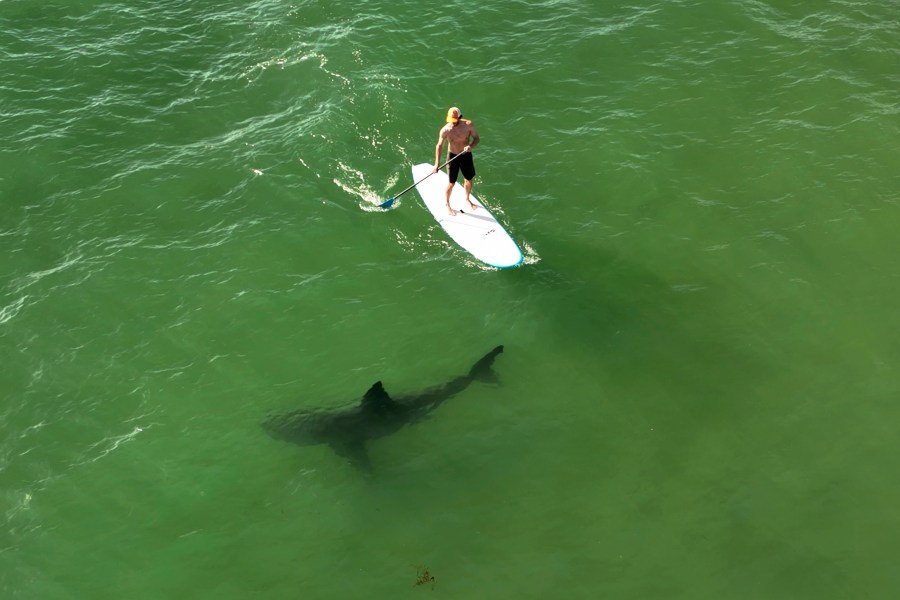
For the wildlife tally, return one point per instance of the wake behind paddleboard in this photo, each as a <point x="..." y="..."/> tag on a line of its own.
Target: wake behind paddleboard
<point x="476" y="231"/>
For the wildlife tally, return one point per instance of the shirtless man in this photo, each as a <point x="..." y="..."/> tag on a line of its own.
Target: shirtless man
<point x="463" y="137"/>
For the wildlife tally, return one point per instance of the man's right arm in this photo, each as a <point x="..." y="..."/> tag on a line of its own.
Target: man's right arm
<point x="438" y="149"/>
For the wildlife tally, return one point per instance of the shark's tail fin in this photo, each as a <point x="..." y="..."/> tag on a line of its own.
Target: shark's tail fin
<point x="482" y="370"/>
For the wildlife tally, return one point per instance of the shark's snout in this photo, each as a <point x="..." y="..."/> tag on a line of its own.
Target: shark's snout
<point x="270" y="426"/>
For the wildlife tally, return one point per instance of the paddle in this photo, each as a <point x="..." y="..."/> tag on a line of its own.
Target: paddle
<point x="387" y="203"/>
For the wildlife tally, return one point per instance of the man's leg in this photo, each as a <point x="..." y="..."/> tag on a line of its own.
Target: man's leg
<point x="449" y="191"/>
<point x="469" y="191"/>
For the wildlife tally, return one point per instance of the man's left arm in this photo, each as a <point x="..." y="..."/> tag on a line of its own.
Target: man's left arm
<point x="473" y="135"/>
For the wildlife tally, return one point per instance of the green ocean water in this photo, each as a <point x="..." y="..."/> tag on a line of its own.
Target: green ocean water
<point x="698" y="394"/>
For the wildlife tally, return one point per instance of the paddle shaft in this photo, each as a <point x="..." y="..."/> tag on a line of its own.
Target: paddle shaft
<point x="427" y="176"/>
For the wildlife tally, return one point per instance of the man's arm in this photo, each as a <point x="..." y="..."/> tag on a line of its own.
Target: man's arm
<point x="473" y="134"/>
<point x="442" y="136"/>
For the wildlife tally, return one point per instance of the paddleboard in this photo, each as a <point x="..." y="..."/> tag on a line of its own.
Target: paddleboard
<point x="476" y="231"/>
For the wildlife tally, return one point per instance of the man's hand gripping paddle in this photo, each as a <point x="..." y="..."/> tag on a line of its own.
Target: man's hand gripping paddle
<point x="387" y="203"/>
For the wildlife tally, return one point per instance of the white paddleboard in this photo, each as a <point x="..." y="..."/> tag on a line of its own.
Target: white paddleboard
<point x="477" y="231"/>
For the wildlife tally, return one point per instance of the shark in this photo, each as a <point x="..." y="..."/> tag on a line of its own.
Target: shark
<point x="348" y="430"/>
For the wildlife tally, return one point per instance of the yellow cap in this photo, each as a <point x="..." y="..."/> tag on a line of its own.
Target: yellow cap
<point x="453" y="115"/>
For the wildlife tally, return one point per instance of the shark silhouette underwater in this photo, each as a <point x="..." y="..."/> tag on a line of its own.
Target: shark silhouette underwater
<point x="347" y="430"/>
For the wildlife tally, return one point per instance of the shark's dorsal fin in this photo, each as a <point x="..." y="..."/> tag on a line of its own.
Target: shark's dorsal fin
<point x="376" y="398"/>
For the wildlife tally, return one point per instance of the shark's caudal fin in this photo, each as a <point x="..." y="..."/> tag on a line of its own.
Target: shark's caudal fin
<point x="482" y="370"/>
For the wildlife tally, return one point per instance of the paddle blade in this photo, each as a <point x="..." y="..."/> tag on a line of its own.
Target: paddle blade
<point x="387" y="203"/>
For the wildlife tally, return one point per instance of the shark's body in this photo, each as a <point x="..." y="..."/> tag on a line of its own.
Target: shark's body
<point x="377" y="415"/>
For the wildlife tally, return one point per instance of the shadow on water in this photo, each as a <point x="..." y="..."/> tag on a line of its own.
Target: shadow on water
<point x="672" y="354"/>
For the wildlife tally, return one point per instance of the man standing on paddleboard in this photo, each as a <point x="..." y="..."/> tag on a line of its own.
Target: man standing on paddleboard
<point x="463" y="137"/>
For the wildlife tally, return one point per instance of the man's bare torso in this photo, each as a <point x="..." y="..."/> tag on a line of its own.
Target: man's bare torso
<point x="458" y="135"/>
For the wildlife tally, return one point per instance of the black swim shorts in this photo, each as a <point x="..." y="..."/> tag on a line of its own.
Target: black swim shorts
<point x="464" y="163"/>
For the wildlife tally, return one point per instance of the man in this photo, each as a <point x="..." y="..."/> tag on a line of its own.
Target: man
<point x="462" y="137"/>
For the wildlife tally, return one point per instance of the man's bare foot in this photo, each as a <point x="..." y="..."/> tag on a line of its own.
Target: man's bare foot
<point x="452" y="212"/>
<point x="474" y="206"/>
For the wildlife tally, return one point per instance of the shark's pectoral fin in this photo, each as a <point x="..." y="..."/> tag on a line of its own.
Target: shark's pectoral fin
<point x="354" y="451"/>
